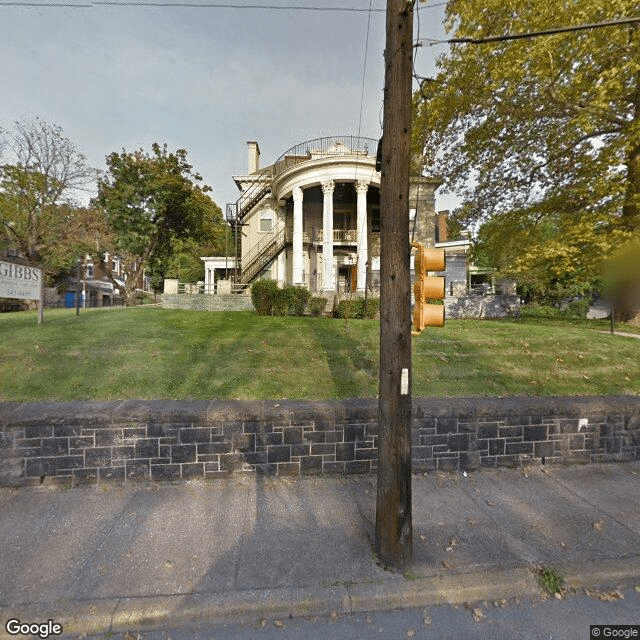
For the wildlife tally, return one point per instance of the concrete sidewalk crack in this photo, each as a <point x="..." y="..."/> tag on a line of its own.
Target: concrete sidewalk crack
<point x="593" y="506"/>
<point x="516" y="545"/>
<point x="236" y="569"/>
<point x="103" y="539"/>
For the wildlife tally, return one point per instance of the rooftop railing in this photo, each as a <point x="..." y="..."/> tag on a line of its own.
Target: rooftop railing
<point x="331" y="146"/>
<point x="323" y="148"/>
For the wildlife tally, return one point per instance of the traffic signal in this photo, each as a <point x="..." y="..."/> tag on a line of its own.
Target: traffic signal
<point x="427" y="288"/>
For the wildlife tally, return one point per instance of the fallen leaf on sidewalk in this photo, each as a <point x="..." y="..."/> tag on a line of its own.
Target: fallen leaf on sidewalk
<point x="278" y="623"/>
<point x="477" y="614"/>
<point x="410" y="633"/>
<point x="598" y="525"/>
<point x="490" y="503"/>
<point x="453" y="543"/>
<point x="604" y="596"/>
<point x="426" y="618"/>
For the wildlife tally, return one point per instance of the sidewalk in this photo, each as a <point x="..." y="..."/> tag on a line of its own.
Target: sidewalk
<point x="116" y="557"/>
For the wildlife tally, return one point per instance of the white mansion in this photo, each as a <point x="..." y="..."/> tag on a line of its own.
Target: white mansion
<point x="313" y="216"/>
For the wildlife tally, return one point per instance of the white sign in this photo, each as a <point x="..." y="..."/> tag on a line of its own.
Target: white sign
<point x="19" y="281"/>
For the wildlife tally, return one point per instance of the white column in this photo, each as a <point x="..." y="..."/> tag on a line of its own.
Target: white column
<point x="329" y="283"/>
<point x="297" y="236"/>
<point x="361" y="232"/>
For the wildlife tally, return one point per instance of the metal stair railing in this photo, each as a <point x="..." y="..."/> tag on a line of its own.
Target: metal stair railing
<point x="250" y="197"/>
<point x="261" y="254"/>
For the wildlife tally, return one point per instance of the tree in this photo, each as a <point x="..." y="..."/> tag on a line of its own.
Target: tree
<point x="151" y="201"/>
<point x="539" y="135"/>
<point x="38" y="189"/>
<point x="210" y="238"/>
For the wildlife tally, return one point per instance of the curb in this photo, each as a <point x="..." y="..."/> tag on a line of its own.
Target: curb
<point x="122" y="614"/>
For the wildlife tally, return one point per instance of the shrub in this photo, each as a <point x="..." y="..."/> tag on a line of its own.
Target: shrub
<point x="578" y="308"/>
<point x="317" y="306"/>
<point x="299" y="300"/>
<point x="263" y="295"/>
<point x="281" y="302"/>
<point x="268" y="299"/>
<point x="370" y="308"/>
<point x="294" y="299"/>
<point x="358" y="308"/>
<point x="574" y="309"/>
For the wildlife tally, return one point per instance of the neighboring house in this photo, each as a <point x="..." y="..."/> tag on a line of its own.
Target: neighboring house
<point x="98" y="289"/>
<point x="462" y="276"/>
<point x="91" y="277"/>
<point x="312" y="218"/>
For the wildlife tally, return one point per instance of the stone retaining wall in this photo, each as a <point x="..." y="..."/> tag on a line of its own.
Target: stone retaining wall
<point x="202" y="302"/>
<point x="477" y="306"/>
<point x="88" y="442"/>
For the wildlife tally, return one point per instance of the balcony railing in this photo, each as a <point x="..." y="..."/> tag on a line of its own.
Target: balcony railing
<point x="323" y="148"/>
<point x="340" y="236"/>
<point x="331" y="146"/>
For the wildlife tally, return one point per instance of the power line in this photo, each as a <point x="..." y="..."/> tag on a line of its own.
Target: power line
<point x="216" y="5"/>
<point x="364" y="70"/>
<point x="188" y="5"/>
<point x="196" y="5"/>
<point x="531" y="34"/>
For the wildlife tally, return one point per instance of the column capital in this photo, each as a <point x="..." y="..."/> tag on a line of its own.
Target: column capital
<point x="296" y="192"/>
<point x="328" y="186"/>
<point x="362" y="186"/>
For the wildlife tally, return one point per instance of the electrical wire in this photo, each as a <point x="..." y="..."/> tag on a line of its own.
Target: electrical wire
<point x="531" y="34"/>
<point x="364" y="70"/>
<point x="187" y="5"/>
<point x="198" y="5"/>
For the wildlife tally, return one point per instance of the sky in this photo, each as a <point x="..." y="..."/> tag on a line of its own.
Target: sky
<point x="204" y="79"/>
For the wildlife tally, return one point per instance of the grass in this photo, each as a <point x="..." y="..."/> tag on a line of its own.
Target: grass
<point x="551" y="581"/>
<point x="148" y="353"/>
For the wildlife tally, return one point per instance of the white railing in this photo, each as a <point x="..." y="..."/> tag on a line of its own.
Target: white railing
<point x="200" y="288"/>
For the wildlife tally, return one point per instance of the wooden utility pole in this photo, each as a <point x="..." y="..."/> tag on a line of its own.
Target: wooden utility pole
<point x="394" y="535"/>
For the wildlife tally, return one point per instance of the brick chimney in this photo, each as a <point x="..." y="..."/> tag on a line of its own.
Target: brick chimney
<point x="254" y="156"/>
<point x="441" y="226"/>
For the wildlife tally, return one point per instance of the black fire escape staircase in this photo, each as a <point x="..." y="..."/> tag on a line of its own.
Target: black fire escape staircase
<point x="262" y="254"/>
<point x="267" y="249"/>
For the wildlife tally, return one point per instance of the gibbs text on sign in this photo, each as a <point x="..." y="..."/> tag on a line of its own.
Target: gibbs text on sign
<point x="21" y="281"/>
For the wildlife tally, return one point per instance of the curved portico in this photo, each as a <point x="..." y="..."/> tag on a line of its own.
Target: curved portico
<point x="312" y="218"/>
<point x="336" y="165"/>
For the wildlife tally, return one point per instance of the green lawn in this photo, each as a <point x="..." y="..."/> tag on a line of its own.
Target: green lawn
<point x="148" y="352"/>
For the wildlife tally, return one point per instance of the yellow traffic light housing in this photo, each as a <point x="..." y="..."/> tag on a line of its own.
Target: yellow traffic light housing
<point x="428" y="288"/>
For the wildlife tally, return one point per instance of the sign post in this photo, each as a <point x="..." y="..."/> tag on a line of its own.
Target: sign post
<point x="23" y="282"/>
